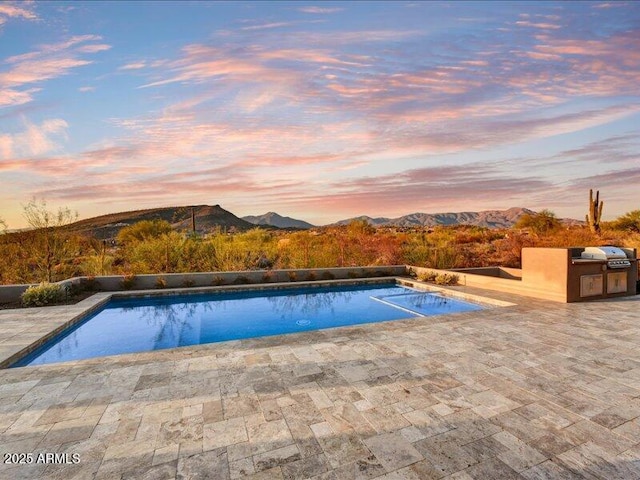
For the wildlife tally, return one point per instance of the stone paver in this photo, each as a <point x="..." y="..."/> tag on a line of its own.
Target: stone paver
<point x="538" y="390"/>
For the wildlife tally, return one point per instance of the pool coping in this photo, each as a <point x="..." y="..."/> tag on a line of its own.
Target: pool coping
<point x="92" y="304"/>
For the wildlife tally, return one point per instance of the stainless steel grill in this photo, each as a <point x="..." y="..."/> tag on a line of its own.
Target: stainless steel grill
<point x="615" y="257"/>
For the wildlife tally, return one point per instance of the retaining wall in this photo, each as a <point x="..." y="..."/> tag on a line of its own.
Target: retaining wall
<point x="114" y="283"/>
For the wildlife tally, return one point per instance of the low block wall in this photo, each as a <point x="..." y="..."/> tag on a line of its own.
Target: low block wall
<point x="114" y="283"/>
<point x="496" y="272"/>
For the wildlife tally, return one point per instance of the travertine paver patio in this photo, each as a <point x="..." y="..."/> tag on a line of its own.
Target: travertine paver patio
<point x="539" y="390"/>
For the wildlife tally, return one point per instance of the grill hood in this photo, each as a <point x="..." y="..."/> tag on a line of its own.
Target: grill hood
<point x="604" y="253"/>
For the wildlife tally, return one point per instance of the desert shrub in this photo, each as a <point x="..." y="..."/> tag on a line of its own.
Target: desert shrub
<point x="161" y="282"/>
<point x="444" y="257"/>
<point x="629" y="222"/>
<point x="144" y="230"/>
<point x="217" y="281"/>
<point x="428" y="276"/>
<point x="446" y="279"/>
<point x="43" y="294"/>
<point x="156" y="254"/>
<point x="327" y="276"/>
<point x="128" y="281"/>
<point x="571" y="237"/>
<point x="97" y="264"/>
<point x="540" y="223"/>
<point x="438" y="278"/>
<point x="241" y="280"/>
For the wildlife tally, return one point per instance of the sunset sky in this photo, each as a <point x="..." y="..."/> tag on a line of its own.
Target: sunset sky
<point x="320" y="111"/>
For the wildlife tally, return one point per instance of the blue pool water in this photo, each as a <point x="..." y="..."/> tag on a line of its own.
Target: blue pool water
<point x="154" y="323"/>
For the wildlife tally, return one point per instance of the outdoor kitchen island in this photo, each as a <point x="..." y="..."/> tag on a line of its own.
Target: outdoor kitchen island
<point x="602" y="272"/>
<point x="563" y="274"/>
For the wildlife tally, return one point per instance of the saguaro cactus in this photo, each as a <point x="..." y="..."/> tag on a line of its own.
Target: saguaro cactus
<point x="595" y="212"/>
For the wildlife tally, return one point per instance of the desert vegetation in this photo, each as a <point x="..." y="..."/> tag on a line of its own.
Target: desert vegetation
<point x="49" y="252"/>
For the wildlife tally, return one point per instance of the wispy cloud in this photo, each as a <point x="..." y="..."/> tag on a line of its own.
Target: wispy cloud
<point x="543" y="26"/>
<point x="34" y="140"/>
<point x="610" y="5"/>
<point x="11" y="10"/>
<point x="260" y="117"/>
<point x="265" y="26"/>
<point x="47" y="62"/>
<point x="429" y="188"/>
<point x="133" y="66"/>
<point x="320" y="10"/>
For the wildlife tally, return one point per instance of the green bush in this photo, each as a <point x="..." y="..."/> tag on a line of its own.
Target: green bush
<point x="439" y="278"/>
<point x="447" y="279"/>
<point x="429" y="276"/>
<point x="43" y="294"/>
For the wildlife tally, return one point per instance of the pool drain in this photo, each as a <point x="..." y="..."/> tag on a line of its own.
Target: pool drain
<point x="303" y="322"/>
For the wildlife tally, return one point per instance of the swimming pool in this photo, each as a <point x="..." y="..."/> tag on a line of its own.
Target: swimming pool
<point x="141" y="324"/>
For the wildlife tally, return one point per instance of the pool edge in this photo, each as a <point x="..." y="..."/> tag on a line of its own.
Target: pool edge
<point x="98" y="300"/>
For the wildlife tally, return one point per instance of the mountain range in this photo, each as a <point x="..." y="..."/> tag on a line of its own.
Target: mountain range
<point x="486" y="218"/>
<point x="209" y="217"/>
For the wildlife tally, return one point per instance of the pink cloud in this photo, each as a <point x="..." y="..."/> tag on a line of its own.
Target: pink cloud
<point x="201" y="63"/>
<point x="10" y="96"/>
<point x="48" y="62"/>
<point x="30" y="72"/>
<point x="8" y="10"/>
<point x="543" y="26"/>
<point x="34" y="140"/>
<point x="6" y="146"/>
<point x="94" y="48"/>
<point x="430" y="187"/>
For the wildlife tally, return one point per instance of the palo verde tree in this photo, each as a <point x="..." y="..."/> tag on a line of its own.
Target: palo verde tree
<point x="629" y="221"/>
<point x="144" y="230"/>
<point x="540" y="223"/>
<point x="49" y="243"/>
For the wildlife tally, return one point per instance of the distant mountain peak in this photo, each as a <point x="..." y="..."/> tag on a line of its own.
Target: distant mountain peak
<point x="276" y="220"/>
<point x="208" y="217"/>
